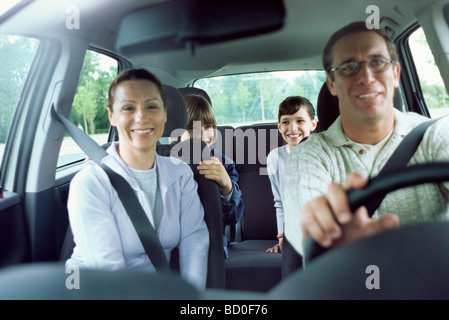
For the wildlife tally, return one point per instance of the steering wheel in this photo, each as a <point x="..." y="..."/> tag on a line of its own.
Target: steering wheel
<point x="381" y="186"/>
<point x="409" y="262"/>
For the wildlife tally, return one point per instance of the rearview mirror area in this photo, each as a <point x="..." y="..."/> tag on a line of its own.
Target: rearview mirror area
<point x="180" y="24"/>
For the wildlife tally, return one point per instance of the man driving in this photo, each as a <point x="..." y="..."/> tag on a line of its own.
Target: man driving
<point x="362" y="70"/>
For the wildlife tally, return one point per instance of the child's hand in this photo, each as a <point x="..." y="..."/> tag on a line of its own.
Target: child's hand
<point x="278" y="247"/>
<point x="213" y="169"/>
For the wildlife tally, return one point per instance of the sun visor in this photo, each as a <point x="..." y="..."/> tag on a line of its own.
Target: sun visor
<point x="179" y="24"/>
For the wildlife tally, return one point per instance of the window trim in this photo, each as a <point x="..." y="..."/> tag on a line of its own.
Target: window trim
<point x="122" y="64"/>
<point x="409" y="75"/>
<point x="26" y="119"/>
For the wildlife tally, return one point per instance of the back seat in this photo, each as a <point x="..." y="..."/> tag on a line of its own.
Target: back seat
<point x="251" y="147"/>
<point x="248" y="262"/>
<point x="249" y="267"/>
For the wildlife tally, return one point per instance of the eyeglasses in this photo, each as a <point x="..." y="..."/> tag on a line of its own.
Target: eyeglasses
<point x="351" y="68"/>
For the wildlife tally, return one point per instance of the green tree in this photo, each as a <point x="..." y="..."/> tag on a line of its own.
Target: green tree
<point x="432" y="85"/>
<point x="16" y="55"/>
<point x="242" y="99"/>
<point x="85" y="104"/>
<point x="256" y="97"/>
<point x="89" y="105"/>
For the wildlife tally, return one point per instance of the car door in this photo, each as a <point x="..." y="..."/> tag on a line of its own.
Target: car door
<point x="38" y="160"/>
<point x="37" y="74"/>
<point x="19" y="55"/>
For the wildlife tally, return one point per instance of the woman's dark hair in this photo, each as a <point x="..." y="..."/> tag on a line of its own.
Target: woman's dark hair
<point x="292" y="104"/>
<point x="135" y="74"/>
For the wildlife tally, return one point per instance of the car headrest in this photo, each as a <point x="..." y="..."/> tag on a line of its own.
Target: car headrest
<point x="176" y="111"/>
<point x="193" y="90"/>
<point x="327" y="108"/>
<point x="328" y="111"/>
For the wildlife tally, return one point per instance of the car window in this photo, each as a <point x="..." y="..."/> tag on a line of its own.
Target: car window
<point x="16" y="56"/>
<point x="255" y="98"/>
<point x="432" y="85"/>
<point x="89" y="111"/>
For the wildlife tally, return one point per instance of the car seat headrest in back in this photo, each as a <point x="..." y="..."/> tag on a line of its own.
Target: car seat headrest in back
<point x="193" y="90"/>
<point x="328" y="111"/>
<point x="327" y="108"/>
<point x="176" y="111"/>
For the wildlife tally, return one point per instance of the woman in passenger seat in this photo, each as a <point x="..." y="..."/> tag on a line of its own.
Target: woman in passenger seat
<point x="296" y="120"/>
<point x="202" y="124"/>
<point x="104" y="235"/>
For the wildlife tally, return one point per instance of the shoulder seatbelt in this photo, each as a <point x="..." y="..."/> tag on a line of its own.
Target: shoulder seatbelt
<point x="400" y="157"/>
<point x="144" y="229"/>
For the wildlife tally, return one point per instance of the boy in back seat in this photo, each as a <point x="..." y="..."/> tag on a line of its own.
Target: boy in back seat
<point x="296" y="120"/>
<point x="202" y="124"/>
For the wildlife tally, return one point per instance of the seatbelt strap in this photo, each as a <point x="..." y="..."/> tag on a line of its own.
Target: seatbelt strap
<point x="144" y="229"/>
<point x="400" y="158"/>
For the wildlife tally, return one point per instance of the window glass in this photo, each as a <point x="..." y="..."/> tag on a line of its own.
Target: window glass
<point x="434" y="91"/>
<point x="89" y="110"/>
<point x="16" y="56"/>
<point x="255" y="98"/>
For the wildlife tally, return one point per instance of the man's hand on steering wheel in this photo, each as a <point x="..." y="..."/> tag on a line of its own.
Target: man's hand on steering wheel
<point x="328" y="218"/>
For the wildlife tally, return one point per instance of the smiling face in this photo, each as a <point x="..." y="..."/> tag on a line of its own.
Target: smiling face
<point x="138" y="114"/>
<point x="201" y="122"/>
<point x="296" y="127"/>
<point x="366" y="96"/>
<point x="200" y="131"/>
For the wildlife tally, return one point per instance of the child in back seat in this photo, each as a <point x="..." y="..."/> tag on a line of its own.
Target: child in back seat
<point x="202" y="124"/>
<point x="296" y="120"/>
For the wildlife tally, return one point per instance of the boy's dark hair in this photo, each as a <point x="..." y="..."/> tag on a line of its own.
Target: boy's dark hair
<point x="292" y="104"/>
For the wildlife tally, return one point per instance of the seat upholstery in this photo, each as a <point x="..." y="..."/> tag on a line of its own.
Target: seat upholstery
<point x="327" y="108"/>
<point x="251" y="147"/>
<point x="176" y="111"/>
<point x="248" y="262"/>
